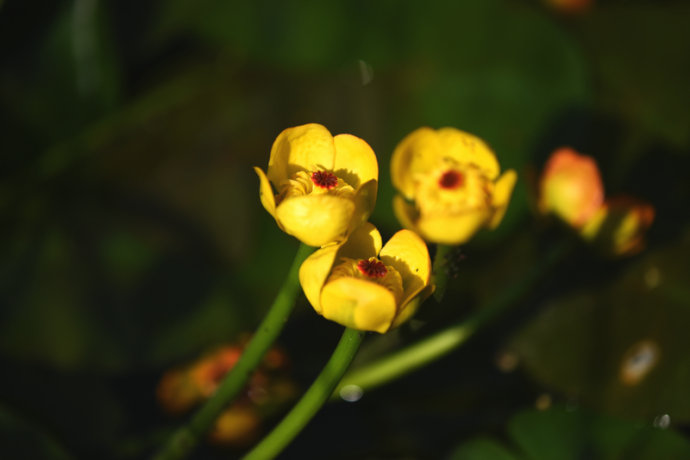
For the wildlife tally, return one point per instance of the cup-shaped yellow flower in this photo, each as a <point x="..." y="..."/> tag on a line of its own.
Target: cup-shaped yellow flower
<point x="449" y="185"/>
<point x="323" y="186"/>
<point x="571" y="187"/>
<point x="619" y="225"/>
<point x="363" y="286"/>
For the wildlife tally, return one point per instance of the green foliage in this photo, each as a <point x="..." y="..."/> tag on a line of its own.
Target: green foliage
<point x="580" y="342"/>
<point x="132" y="238"/>
<point x="559" y="434"/>
<point x="482" y="449"/>
<point x="21" y="439"/>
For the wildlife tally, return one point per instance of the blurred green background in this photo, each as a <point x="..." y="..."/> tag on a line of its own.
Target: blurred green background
<point x="132" y="237"/>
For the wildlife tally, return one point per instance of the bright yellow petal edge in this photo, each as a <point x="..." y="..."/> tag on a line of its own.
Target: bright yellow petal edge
<point x="466" y="148"/>
<point x="305" y="147"/>
<point x="266" y="196"/>
<point x="503" y="190"/>
<point x="408" y="254"/>
<point x="314" y="271"/>
<point x="453" y="229"/>
<point x="364" y="242"/>
<point x="355" y="161"/>
<point x="417" y="153"/>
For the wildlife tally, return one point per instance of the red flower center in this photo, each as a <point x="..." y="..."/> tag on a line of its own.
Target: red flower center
<point x="372" y="268"/>
<point x="324" y="179"/>
<point x="451" y="180"/>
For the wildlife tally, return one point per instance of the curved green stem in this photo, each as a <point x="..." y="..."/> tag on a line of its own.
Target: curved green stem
<point x="185" y="438"/>
<point x="419" y="354"/>
<point x="312" y="400"/>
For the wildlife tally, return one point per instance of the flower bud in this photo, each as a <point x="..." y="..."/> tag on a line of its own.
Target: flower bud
<point x="571" y="187"/>
<point x="620" y="225"/>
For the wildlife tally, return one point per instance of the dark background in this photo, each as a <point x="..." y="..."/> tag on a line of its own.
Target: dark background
<point x="132" y="238"/>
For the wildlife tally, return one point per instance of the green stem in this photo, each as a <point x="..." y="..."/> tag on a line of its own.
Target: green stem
<point x="414" y="356"/>
<point x="185" y="438"/>
<point x="440" y="270"/>
<point x="312" y="400"/>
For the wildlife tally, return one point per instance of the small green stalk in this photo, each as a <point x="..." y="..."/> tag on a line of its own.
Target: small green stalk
<point x="185" y="438"/>
<point x="312" y="400"/>
<point x="440" y="270"/>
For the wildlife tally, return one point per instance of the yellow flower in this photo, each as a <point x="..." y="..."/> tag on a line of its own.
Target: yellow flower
<point x="363" y="286"/>
<point x="449" y="185"/>
<point x="619" y="225"/>
<point x="571" y="187"/>
<point x="325" y="186"/>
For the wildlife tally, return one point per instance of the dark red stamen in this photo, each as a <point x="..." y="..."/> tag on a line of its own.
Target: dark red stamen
<point x="372" y="268"/>
<point x="451" y="180"/>
<point x="324" y="179"/>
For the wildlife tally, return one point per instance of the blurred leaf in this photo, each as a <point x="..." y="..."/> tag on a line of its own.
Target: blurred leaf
<point x="621" y="347"/>
<point x="75" y="75"/>
<point x="48" y="323"/>
<point x="220" y="317"/>
<point x="559" y="434"/>
<point x="21" y="439"/>
<point x="482" y="449"/>
<point x="641" y="56"/>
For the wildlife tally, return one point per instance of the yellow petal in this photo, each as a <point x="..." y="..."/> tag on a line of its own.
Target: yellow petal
<point x="363" y="243"/>
<point x="358" y="304"/>
<point x="307" y="147"/>
<point x="355" y="161"/>
<point x="268" y="200"/>
<point x="405" y="212"/>
<point x="314" y="271"/>
<point x="365" y="201"/>
<point x="466" y="148"/>
<point x="408" y="254"/>
<point x="501" y="197"/>
<point x="452" y="229"/>
<point x="316" y="220"/>
<point x="418" y="152"/>
<point x="407" y="310"/>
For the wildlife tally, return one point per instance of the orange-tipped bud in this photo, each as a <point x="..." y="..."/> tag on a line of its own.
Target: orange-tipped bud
<point x="571" y="187"/>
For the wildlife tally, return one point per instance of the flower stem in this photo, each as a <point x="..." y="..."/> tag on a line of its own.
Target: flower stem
<point x="440" y="270"/>
<point x="182" y="441"/>
<point x="414" y="356"/>
<point x="312" y="400"/>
